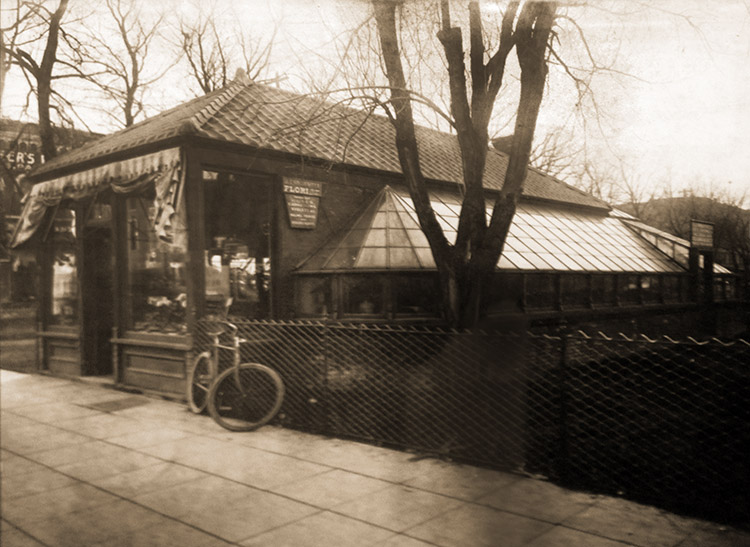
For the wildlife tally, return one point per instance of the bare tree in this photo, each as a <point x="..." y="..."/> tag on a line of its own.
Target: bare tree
<point x="214" y="56"/>
<point x="464" y="267"/>
<point x="39" y="71"/>
<point x="123" y="69"/>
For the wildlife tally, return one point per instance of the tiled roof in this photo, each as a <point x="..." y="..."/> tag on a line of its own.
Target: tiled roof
<point x="269" y="118"/>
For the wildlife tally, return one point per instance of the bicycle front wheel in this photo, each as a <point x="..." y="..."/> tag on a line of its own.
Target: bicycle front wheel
<point x="246" y="397"/>
<point x="199" y="377"/>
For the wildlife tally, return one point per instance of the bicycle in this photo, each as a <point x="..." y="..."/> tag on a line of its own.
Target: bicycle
<point x="243" y="397"/>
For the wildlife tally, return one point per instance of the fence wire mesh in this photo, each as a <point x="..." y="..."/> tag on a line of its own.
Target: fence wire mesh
<point x="660" y="421"/>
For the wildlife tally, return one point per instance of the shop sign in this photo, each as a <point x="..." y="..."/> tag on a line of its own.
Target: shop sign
<point x="701" y="235"/>
<point x="302" y="202"/>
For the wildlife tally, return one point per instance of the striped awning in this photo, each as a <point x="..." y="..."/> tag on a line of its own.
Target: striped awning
<point x="121" y="176"/>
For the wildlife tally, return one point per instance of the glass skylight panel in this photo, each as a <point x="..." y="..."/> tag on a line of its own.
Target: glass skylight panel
<point x="375" y="238"/>
<point x="372" y="257"/>
<point x="402" y="257"/>
<point x="553" y="261"/>
<point x="536" y="260"/>
<point x="417" y="238"/>
<point x="396" y="237"/>
<point x="518" y="261"/>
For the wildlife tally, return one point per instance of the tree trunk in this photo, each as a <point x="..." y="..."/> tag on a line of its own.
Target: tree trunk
<point x="44" y="82"/>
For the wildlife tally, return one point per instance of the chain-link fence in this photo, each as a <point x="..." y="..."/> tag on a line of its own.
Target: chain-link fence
<point x="661" y="421"/>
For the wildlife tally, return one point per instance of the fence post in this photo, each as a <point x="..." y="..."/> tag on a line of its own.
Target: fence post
<point x="325" y="335"/>
<point x="563" y="462"/>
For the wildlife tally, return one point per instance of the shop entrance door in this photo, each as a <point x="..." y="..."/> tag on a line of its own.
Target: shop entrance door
<point x="97" y="300"/>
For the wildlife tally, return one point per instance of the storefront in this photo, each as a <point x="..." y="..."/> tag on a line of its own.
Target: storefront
<point x="143" y="232"/>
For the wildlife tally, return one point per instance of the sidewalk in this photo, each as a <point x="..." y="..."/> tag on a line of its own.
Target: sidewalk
<point x="86" y="465"/>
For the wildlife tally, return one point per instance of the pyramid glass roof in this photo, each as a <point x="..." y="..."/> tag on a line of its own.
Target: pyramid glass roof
<point x="387" y="236"/>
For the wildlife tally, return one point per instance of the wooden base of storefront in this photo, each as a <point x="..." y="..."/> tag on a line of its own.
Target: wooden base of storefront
<point x="62" y="352"/>
<point x="152" y="363"/>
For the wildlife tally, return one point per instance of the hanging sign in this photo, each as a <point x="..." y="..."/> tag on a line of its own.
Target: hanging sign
<point x="302" y="201"/>
<point x="701" y="235"/>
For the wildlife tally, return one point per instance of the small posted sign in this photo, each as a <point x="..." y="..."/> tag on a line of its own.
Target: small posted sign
<point x="302" y="201"/>
<point x="701" y="235"/>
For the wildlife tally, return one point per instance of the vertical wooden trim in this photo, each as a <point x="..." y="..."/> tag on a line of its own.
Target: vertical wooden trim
<point x="122" y="298"/>
<point x="80" y="221"/>
<point x="275" y="217"/>
<point x="195" y="220"/>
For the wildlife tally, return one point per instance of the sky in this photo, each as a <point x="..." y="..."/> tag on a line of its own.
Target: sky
<point x="675" y="107"/>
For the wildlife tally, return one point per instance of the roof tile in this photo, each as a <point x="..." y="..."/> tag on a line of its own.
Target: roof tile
<point x="269" y="118"/>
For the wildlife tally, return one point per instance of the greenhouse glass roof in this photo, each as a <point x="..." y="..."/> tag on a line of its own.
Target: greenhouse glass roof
<point x="546" y="238"/>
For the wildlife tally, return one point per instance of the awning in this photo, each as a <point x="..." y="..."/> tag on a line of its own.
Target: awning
<point x="161" y="168"/>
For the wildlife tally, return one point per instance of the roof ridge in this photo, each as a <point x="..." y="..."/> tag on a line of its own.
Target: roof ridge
<point x="205" y="114"/>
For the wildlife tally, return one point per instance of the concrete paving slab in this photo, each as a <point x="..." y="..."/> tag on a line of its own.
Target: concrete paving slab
<point x="400" y="540"/>
<point x="148" y="479"/>
<point x="479" y="526"/>
<point x="331" y="488"/>
<point x="166" y="533"/>
<point x="39" y="438"/>
<point x="13" y="537"/>
<point x="538" y="499"/>
<point x="397" y="507"/>
<point x="250" y="515"/>
<point x="323" y="528"/>
<point x="102" y="426"/>
<point x="17" y="485"/>
<point x="633" y="523"/>
<point x="560" y="536"/>
<point x="460" y="481"/>
<point x="150" y="434"/>
<point x="22" y="512"/>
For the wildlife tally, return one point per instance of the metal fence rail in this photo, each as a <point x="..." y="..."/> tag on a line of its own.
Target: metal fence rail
<point x="659" y="421"/>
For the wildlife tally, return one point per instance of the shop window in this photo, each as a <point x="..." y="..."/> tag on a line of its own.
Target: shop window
<point x="416" y="295"/>
<point x="506" y="293"/>
<point x="156" y="272"/>
<point x="238" y="258"/>
<point x="64" y="294"/>
<point x="575" y="291"/>
<point x="541" y="291"/>
<point x="603" y="290"/>
<point x="314" y="296"/>
<point x="362" y="295"/>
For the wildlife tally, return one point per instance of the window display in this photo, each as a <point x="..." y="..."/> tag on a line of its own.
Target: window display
<point x="156" y="272"/>
<point x="64" y="301"/>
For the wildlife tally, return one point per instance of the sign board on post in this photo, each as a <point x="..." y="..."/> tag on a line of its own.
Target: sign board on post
<point x="702" y="235"/>
<point x="302" y="201"/>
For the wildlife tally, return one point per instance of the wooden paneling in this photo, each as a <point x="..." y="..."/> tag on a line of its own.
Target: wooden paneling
<point x="63" y="356"/>
<point x="153" y="367"/>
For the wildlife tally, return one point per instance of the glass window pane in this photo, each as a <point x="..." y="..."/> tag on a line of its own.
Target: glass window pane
<point x="314" y="296"/>
<point x="362" y="295"/>
<point x="64" y="300"/>
<point x="603" y="290"/>
<point x="628" y="288"/>
<point x="574" y="290"/>
<point x="506" y="293"/>
<point x="540" y="291"/>
<point x="156" y="272"/>
<point x="416" y="295"/>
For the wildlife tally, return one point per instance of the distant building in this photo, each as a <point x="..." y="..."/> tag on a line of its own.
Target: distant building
<point x="20" y="152"/>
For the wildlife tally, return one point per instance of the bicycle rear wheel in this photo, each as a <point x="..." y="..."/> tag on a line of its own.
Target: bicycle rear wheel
<point x="246" y="397"/>
<point x="199" y="377"/>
